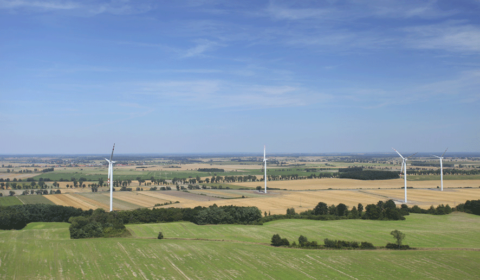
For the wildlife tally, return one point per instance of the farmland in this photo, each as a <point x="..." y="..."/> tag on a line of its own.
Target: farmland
<point x="44" y="251"/>
<point x="9" y="200"/>
<point x="34" y="199"/>
<point x="335" y="183"/>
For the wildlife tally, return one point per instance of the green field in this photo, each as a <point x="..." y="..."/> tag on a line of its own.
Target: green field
<point x="34" y="199"/>
<point x="44" y="251"/>
<point x="457" y="230"/>
<point x="9" y="200"/>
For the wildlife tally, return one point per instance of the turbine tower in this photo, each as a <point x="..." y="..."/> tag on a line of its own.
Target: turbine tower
<point x="441" y="168"/>
<point x="265" y="161"/>
<point x="110" y="177"/>
<point x="404" y="167"/>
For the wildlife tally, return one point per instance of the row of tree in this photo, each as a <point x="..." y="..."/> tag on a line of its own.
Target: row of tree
<point x="18" y="216"/>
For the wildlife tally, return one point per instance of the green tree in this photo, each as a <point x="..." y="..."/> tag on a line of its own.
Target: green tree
<point x="276" y="240"/>
<point x="341" y="209"/>
<point x="321" y="209"/>
<point x="160" y="235"/>
<point x="398" y="236"/>
<point x="291" y="211"/>
<point x="302" y="240"/>
<point x="360" y="208"/>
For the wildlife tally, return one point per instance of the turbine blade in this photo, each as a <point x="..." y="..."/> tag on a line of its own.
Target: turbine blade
<point x="412" y="155"/>
<point x="401" y="170"/>
<point x="111" y="156"/>
<point x="444" y="152"/>
<point x="398" y="153"/>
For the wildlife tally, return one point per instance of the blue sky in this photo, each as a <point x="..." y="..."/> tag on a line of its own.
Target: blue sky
<point x="231" y="76"/>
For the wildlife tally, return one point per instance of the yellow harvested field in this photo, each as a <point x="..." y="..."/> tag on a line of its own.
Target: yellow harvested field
<point x="18" y="175"/>
<point x="138" y="198"/>
<point x="425" y="198"/>
<point x="335" y="183"/>
<point x="71" y="200"/>
<point x="301" y="201"/>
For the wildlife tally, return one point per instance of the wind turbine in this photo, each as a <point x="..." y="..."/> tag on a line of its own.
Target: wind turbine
<point x="404" y="167"/>
<point x="441" y="168"/>
<point x="265" y="161"/>
<point x="110" y="177"/>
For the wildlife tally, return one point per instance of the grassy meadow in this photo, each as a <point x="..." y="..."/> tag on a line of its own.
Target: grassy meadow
<point x="44" y="251"/>
<point x="457" y="230"/>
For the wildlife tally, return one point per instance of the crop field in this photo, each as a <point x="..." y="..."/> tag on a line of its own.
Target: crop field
<point x="9" y="200"/>
<point x="275" y="202"/>
<point x="424" y="198"/>
<point x="34" y="199"/>
<point x="137" y="198"/>
<point x="335" y="183"/>
<point x="44" y="251"/>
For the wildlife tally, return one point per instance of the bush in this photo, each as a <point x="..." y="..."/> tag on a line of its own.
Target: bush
<point x="160" y="235"/>
<point x="396" y="247"/>
<point x="367" y="245"/>
<point x="276" y="240"/>
<point x="302" y="240"/>
<point x="99" y="224"/>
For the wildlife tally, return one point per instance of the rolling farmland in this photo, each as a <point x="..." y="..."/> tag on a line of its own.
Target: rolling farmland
<point x="49" y="253"/>
<point x="458" y="230"/>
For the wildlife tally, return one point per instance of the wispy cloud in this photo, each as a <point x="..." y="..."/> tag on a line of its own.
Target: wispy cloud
<point x="201" y="47"/>
<point x="222" y="94"/>
<point x="451" y="36"/>
<point x="43" y="5"/>
<point x="89" y="7"/>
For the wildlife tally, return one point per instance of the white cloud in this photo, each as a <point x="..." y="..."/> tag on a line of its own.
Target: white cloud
<point x="44" y="5"/>
<point x="221" y="94"/>
<point x="202" y="47"/>
<point x="89" y="7"/>
<point x="445" y="36"/>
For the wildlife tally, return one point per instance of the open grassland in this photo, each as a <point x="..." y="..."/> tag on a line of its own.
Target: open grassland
<point x="43" y="251"/>
<point x="457" y="230"/>
<point x="335" y="183"/>
<point x="9" y="200"/>
<point x="34" y="199"/>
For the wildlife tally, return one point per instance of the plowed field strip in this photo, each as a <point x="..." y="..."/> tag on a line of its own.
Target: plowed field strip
<point x="139" y="198"/>
<point x="94" y="202"/>
<point x="69" y="200"/>
<point x="104" y="198"/>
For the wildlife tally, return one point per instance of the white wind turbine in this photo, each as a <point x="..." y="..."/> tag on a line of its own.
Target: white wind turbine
<point x="110" y="177"/>
<point x="404" y="168"/>
<point x="441" y="168"/>
<point x="265" y="161"/>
